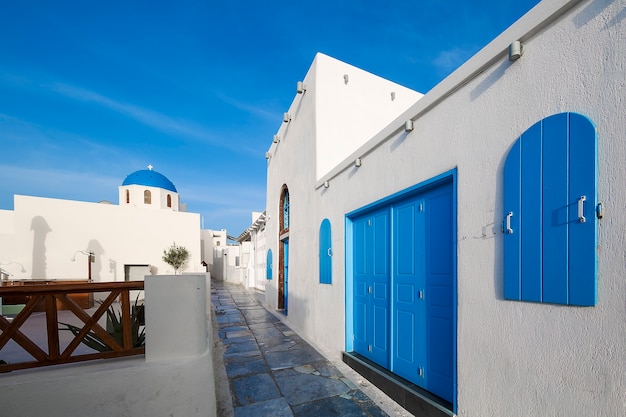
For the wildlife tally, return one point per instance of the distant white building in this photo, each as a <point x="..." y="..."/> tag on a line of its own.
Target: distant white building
<point x="468" y="243"/>
<point x="47" y="238"/>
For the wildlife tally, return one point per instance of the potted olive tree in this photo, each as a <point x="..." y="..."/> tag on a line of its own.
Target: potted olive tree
<point x="175" y="256"/>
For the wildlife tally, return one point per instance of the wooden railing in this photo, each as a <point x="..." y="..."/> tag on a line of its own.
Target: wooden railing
<point x="59" y="294"/>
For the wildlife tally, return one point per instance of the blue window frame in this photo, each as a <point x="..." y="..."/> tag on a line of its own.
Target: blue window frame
<point x="326" y="253"/>
<point x="268" y="265"/>
<point x="550" y="226"/>
<point x="285" y="204"/>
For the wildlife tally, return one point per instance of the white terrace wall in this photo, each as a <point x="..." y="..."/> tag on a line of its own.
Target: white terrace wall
<point x="176" y="378"/>
<point x="513" y="358"/>
<point x="45" y="234"/>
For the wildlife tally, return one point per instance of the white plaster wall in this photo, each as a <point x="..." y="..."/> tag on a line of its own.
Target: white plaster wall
<point x="349" y="113"/>
<point x="48" y="232"/>
<point x="514" y="359"/>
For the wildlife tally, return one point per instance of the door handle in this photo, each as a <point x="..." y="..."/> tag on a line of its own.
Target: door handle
<point x="581" y="209"/>
<point x="330" y="251"/>
<point x="508" y="223"/>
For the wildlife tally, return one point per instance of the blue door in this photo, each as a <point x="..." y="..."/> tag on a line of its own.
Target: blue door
<point x="371" y="286"/>
<point x="423" y="278"/>
<point x="404" y="288"/>
<point x="286" y="271"/>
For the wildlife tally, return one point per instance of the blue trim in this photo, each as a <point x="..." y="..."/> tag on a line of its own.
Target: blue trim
<point x="268" y="265"/>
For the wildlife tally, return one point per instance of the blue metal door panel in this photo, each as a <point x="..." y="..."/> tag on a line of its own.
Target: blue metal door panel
<point x="583" y="235"/>
<point x="268" y="264"/>
<point x="408" y="280"/>
<point x="439" y="276"/>
<point x="530" y="213"/>
<point x="423" y="280"/>
<point x="553" y="161"/>
<point x="371" y="286"/>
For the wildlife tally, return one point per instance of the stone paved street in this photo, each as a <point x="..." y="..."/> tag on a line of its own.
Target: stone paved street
<point x="271" y="371"/>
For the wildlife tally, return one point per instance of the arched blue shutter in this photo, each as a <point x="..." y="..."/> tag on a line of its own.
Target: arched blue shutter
<point x="268" y="265"/>
<point x="550" y="227"/>
<point x="326" y="253"/>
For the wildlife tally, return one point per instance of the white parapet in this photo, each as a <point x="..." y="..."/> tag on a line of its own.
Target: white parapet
<point x="175" y="316"/>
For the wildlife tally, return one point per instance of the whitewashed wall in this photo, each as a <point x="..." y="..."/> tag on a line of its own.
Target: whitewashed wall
<point x="514" y="359"/>
<point x="47" y="232"/>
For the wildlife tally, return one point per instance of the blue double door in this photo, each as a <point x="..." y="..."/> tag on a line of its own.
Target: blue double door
<point x="404" y="283"/>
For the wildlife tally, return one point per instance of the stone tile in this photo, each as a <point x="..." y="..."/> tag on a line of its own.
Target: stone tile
<point x="302" y="388"/>
<point x="254" y="389"/>
<point x="276" y="345"/>
<point x="242" y="356"/>
<point x="293" y="357"/>
<point x="327" y="407"/>
<point x="240" y="347"/>
<point x="277" y="407"/>
<point x="237" y="369"/>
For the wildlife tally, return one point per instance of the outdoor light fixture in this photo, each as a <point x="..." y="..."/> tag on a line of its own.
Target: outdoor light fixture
<point x="408" y="126"/>
<point x="267" y="155"/>
<point x="286" y="117"/>
<point x="91" y="258"/>
<point x="357" y="162"/>
<point x="276" y="138"/>
<point x="326" y="184"/>
<point x="516" y="49"/>
<point x="300" y="87"/>
<point x="346" y="78"/>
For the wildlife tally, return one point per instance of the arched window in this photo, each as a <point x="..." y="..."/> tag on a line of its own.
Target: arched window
<point x="268" y="265"/>
<point x="284" y="210"/>
<point x="127" y="197"/>
<point x="169" y="200"/>
<point x="147" y="197"/>
<point x="326" y="253"/>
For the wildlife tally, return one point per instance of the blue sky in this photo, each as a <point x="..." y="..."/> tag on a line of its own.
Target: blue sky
<point x="91" y="91"/>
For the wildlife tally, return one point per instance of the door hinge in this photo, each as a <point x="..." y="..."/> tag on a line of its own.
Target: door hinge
<point x="421" y="207"/>
<point x="369" y="289"/>
<point x="420" y="372"/>
<point x="369" y="348"/>
<point x="420" y="294"/>
<point x="369" y="222"/>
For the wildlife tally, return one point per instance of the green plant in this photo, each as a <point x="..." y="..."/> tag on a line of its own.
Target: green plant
<point x="175" y="256"/>
<point x="115" y="329"/>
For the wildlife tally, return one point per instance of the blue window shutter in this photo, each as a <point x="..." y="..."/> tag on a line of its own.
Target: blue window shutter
<point x="549" y="254"/>
<point x="326" y="253"/>
<point x="268" y="265"/>
<point x="583" y="237"/>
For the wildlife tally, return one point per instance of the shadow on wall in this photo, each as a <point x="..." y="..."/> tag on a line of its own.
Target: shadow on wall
<point x="40" y="229"/>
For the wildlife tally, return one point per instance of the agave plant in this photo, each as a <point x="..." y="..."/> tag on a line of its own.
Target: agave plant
<point x="114" y="328"/>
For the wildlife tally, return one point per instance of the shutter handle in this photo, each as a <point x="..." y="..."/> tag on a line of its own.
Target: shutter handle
<point x="508" y="223"/>
<point x="581" y="209"/>
<point x="330" y="251"/>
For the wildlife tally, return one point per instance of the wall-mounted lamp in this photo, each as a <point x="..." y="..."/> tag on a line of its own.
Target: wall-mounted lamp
<point x="286" y="117"/>
<point x="393" y="95"/>
<point x="357" y="162"/>
<point x="326" y="184"/>
<point x="346" y="78"/>
<point x="91" y="258"/>
<point x="267" y="155"/>
<point x="276" y="138"/>
<point x="516" y="49"/>
<point x="300" y="87"/>
<point x="408" y="125"/>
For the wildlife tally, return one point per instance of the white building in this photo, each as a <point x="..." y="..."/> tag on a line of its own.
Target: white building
<point x="470" y="241"/>
<point x="47" y="238"/>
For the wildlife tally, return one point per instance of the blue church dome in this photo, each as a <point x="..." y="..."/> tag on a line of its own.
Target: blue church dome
<point x="149" y="178"/>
